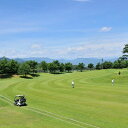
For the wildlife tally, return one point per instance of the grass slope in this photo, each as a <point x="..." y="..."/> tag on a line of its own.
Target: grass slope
<point x="93" y="100"/>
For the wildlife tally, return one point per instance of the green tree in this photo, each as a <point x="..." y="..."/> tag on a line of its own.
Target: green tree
<point x="4" y="66"/>
<point x="44" y="66"/>
<point x="24" y="69"/>
<point x="116" y="64"/>
<point x="125" y="52"/>
<point x="98" y="66"/>
<point x="125" y="49"/>
<point x="90" y="66"/>
<point x="68" y="67"/>
<point x="107" y="65"/>
<point x="120" y="64"/>
<point x="81" y="66"/>
<point x="12" y="67"/>
<point x="123" y="64"/>
<point x="61" y="67"/>
<point x="33" y="65"/>
<point x="52" y="67"/>
<point x="56" y="65"/>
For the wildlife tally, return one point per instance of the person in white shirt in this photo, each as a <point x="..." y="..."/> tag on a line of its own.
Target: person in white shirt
<point x="113" y="82"/>
<point x="73" y="84"/>
<point x="19" y="102"/>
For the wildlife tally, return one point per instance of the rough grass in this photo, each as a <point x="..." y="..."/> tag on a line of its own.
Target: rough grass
<point x="93" y="100"/>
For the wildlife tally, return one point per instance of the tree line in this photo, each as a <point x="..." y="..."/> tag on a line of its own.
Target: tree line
<point x="11" y="67"/>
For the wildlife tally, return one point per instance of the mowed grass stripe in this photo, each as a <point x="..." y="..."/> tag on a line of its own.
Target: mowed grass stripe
<point x="53" y="115"/>
<point x="93" y="99"/>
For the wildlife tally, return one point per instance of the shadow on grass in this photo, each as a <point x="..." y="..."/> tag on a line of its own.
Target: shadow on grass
<point x="4" y="76"/>
<point x="30" y="76"/>
<point x="35" y="75"/>
<point x="69" y="72"/>
<point x="26" y="77"/>
<point x="57" y="73"/>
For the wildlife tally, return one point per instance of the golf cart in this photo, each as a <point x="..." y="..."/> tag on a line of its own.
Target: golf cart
<point x="20" y="100"/>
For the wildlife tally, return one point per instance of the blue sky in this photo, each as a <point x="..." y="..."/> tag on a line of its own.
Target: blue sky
<point x="63" y="28"/>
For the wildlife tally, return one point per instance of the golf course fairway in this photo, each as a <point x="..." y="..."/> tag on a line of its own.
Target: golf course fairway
<point x="53" y="103"/>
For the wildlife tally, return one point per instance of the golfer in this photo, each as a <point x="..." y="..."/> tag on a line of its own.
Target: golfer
<point x="19" y="102"/>
<point x="113" y="82"/>
<point x="73" y="84"/>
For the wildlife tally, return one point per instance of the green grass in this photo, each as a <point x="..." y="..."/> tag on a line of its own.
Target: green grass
<point x="93" y="100"/>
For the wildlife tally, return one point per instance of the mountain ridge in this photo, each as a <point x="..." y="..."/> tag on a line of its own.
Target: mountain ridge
<point x="73" y="61"/>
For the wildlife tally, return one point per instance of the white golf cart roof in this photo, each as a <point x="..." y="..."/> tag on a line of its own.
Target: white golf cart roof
<point x="19" y="95"/>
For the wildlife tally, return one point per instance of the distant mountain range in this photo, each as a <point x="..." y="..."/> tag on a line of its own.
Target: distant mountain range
<point x="76" y="61"/>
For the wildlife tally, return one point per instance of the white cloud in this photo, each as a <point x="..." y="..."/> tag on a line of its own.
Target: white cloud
<point x="82" y="0"/>
<point x="35" y="46"/>
<point x="98" y="50"/>
<point x="106" y="29"/>
<point x="105" y="46"/>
